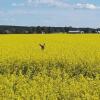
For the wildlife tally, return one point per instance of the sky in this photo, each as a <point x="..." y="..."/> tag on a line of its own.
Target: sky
<point x="76" y="13"/>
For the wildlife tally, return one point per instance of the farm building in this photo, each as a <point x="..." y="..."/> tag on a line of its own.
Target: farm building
<point x="98" y="32"/>
<point x="76" y="31"/>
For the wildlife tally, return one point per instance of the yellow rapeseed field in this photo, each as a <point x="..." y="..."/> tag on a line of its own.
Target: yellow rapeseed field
<point x="67" y="69"/>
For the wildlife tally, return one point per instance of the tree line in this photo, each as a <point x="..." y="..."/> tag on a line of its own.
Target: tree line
<point x="43" y="29"/>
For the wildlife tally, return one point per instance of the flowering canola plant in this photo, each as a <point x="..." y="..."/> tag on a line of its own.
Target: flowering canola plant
<point x="67" y="69"/>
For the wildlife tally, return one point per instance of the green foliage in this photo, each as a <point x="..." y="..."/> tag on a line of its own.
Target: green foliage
<point x="60" y="72"/>
<point x="49" y="81"/>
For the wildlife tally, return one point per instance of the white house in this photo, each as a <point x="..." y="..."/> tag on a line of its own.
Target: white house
<point x="77" y="31"/>
<point x="97" y="31"/>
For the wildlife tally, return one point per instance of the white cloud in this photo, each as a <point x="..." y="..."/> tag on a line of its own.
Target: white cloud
<point x="62" y="4"/>
<point x="56" y="3"/>
<point x="86" y="6"/>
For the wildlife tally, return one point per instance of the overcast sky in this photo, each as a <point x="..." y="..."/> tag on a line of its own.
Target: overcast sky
<point x="77" y="13"/>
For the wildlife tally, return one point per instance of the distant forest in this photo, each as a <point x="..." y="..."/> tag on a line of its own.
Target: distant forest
<point x="44" y="29"/>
